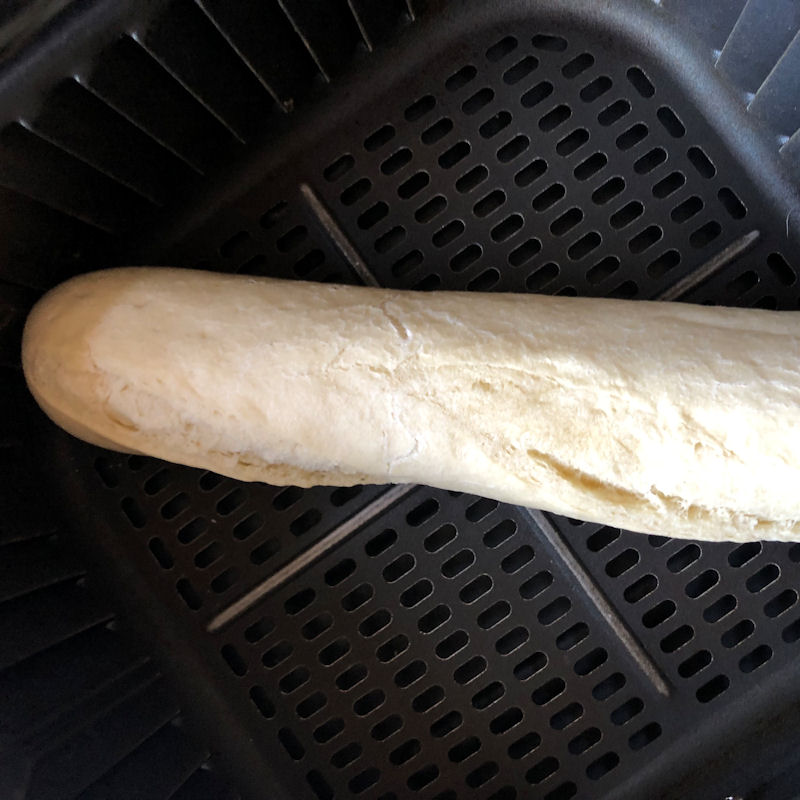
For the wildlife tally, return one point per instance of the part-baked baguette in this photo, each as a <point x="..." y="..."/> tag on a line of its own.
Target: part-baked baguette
<point x="669" y="418"/>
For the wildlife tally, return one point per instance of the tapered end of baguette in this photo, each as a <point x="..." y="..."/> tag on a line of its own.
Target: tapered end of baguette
<point x="95" y="358"/>
<point x="56" y="357"/>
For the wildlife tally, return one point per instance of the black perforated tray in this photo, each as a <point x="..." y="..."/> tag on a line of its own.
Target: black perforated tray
<point x="407" y="642"/>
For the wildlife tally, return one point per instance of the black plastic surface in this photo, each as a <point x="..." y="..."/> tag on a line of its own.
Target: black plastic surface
<point x="440" y="646"/>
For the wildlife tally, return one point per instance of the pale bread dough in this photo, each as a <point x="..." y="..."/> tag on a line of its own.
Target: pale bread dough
<point x="657" y="417"/>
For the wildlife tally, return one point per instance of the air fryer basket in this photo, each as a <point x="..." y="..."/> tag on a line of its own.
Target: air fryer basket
<point x="166" y="632"/>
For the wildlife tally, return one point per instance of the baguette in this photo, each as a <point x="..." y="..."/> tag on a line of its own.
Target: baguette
<point x="657" y="417"/>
